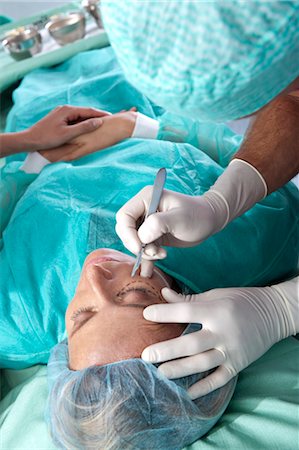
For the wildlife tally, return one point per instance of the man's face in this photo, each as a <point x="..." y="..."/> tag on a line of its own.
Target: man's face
<point x="105" y="320"/>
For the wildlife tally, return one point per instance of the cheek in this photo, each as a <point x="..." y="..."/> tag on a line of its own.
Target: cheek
<point x="153" y="334"/>
<point x="169" y="331"/>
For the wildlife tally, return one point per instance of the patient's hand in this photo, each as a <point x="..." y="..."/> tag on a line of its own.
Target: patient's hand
<point x="114" y="129"/>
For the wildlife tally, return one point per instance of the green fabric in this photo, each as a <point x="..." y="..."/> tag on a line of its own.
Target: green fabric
<point x="4" y="20"/>
<point x="216" y="140"/>
<point x="12" y="71"/>
<point x="69" y="210"/>
<point x="22" y="424"/>
<point x="5" y="106"/>
<point x="263" y="413"/>
<point x="13" y="183"/>
<point x="210" y="60"/>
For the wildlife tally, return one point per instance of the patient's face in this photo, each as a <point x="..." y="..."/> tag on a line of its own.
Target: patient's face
<point x="105" y="320"/>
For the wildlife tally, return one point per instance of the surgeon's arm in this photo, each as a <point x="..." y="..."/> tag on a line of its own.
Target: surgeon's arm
<point x="15" y="178"/>
<point x="271" y="145"/>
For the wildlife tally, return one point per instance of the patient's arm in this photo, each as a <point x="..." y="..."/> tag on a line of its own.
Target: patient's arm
<point x="15" y="177"/>
<point x="114" y="129"/>
<point x="56" y="128"/>
<point x="216" y="140"/>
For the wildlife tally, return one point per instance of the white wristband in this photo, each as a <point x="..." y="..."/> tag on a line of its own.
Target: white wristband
<point x="145" y="127"/>
<point x="34" y="163"/>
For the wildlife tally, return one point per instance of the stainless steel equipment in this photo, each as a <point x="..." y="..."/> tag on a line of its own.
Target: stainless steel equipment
<point x="23" y="42"/>
<point x="91" y="6"/>
<point x="67" y="28"/>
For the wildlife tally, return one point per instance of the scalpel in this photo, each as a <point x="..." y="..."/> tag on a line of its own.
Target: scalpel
<point x="153" y="206"/>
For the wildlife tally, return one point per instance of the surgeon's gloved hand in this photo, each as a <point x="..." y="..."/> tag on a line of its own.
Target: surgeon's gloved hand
<point x="185" y="221"/>
<point x="238" y="326"/>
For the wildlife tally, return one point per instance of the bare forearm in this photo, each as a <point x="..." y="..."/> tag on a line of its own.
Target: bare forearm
<point x="11" y="143"/>
<point x="272" y="143"/>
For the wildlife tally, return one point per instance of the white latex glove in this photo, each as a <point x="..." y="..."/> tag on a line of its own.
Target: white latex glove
<point x="185" y="221"/>
<point x="238" y="326"/>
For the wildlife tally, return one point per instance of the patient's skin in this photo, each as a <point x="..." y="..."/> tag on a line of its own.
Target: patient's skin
<point x="110" y="326"/>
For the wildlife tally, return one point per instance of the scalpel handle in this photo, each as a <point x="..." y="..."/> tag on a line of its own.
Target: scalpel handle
<point x="157" y="192"/>
<point x="153" y="206"/>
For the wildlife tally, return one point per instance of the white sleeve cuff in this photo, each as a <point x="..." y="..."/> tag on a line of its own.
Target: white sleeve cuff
<point x="34" y="163"/>
<point x="145" y="127"/>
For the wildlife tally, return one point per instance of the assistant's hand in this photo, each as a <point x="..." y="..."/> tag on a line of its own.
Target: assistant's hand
<point x="62" y="125"/>
<point x="114" y="129"/>
<point x="238" y="326"/>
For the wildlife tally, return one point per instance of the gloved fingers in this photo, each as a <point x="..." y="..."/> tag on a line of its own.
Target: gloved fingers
<point x="146" y="269"/>
<point x="155" y="226"/>
<point x="174" y="313"/>
<point x="171" y="296"/>
<point x="128" y="234"/>
<point x="187" y="345"/>
<point x="209" y="384"/>
<point x="192" y="364"/>
<point x="127" y="217"/>
<point x="153" y="251"/>
<point x="174" y="297"/>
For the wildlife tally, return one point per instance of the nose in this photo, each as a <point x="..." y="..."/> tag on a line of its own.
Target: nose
<point x="99" y="283"/>
<point x="100" y="271"/>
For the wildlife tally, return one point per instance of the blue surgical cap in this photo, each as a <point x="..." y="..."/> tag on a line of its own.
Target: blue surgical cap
<point x="126" y="405"/>
<point x="216" y="61"/>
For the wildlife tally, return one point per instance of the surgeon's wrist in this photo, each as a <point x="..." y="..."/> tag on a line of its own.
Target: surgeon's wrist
<point x="240" y="187"/>
<point x="220" y="209"/>
<point x="287" y="301"/>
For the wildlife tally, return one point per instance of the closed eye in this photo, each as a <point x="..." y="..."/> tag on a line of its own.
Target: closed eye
<point x="139" y="297"/>
<point x="136" y="289"/>
<point x="80" y="318"/>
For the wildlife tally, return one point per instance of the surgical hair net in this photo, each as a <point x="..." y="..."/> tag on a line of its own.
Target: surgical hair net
<point x="126" y="405"/>
<point x="216" y="61"/>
